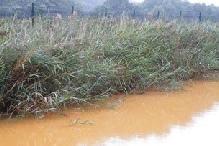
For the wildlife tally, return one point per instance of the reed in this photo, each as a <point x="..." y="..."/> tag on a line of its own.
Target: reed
<point x="58" y="62"/>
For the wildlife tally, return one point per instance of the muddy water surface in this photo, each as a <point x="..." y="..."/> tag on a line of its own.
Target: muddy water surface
<point x="130" y="118"/>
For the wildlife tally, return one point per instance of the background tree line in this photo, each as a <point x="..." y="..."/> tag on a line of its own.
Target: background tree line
<point x="111" y="8"/>
<point x="167" y="9"/>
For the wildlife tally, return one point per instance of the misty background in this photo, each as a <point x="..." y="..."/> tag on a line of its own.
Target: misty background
<point x="167" y="9"/>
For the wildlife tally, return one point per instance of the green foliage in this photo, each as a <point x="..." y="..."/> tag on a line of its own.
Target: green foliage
<point x="2" y="69"/>
<point x="52" y="64"/>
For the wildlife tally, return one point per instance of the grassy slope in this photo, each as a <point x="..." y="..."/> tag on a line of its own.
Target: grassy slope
<point x="78" y="60"/>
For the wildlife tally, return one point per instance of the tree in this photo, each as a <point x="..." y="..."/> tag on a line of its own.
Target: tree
<point x="114" y="8"/>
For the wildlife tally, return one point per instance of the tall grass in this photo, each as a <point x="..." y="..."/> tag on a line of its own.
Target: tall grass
<point x="58" y="62"/>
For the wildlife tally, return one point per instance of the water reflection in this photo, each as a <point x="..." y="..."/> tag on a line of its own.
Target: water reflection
<point x="203" y="130"/>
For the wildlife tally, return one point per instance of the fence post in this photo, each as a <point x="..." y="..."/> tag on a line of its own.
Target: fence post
<point x="105" y="12"/>
<point x="134" y="13"/>
<point x="158" y="14"/>
<point x="200" y="16"/>
<point x="180" y="14"/>
<point x="72" y="9"/>
<point x="32" y="14"/>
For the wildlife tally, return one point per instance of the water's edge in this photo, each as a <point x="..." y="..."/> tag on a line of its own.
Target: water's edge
<point x="150" y="118"/>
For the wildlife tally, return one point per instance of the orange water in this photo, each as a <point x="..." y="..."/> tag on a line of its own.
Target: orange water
<point x="142" y="115"/>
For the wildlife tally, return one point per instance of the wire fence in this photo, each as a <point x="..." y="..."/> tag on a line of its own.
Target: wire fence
<point x="33" y="11"/>
<point x="186" y="15"/>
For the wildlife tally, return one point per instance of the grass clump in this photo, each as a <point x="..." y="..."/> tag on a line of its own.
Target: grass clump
<point x="54" y="63"/>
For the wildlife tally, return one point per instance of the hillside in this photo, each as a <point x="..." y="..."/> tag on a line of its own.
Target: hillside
<point x="88" y="5"/>
<point x="8" y="8"/>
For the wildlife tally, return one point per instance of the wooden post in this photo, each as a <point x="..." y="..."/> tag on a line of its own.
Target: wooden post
<point x="200" y="16"/>
<point x="72" y="9"/>
<point x="32" y="14"/>
<point x="158" y="14"/>
<point x="180" y="14"/>
<point x="134" y="13"/>
<point x="105" y="12"/>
